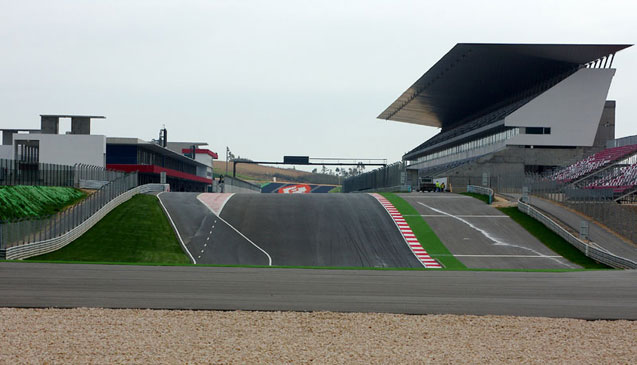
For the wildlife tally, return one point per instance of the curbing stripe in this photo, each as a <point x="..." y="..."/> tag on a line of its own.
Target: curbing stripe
<point x="408" y="235"/>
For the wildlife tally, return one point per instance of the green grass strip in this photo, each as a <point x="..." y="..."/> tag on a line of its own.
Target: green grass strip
<point x="425" y="235"/>
<point x="551" y="239"/>
<point x="484" y="198"/>
<point x="136" y="232"/>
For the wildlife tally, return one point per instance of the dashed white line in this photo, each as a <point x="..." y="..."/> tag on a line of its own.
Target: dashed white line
<point x="236" y="230"/>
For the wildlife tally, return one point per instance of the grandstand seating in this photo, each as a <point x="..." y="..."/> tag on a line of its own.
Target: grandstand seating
<point x="322" y="189"/>
<point x="274" y="187"/>
<point x="622" y="179"/>
<point x="593" y="163"/>
<point x="271" y="187"/>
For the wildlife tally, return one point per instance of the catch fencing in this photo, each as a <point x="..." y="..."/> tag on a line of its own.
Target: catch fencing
<point x="44" y="233"/>
<point x="14" y="172"/>
<point x="389" y="178"/>
<point x="94" y="177"/>
<point x="598" y="204"/>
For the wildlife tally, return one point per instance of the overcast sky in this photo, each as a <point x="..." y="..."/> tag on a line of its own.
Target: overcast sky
<point x="270" y="78"/>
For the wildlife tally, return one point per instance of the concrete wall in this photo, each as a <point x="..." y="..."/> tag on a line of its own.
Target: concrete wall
<point x="510" y="162"/>
<point x="606" y="129"/>
<point x="68" y="149"/>
<point x="572" y="109"/>
<point x="6" y="152"/>
<point x="238" y="186"/>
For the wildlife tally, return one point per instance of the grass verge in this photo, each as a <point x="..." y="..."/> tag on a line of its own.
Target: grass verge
<point x="484" y="198"/>
<point x="426" y="236"/>
<point x="135" y="232"/>
<point x="551" y="240"/>
<point x="22" y="201"/>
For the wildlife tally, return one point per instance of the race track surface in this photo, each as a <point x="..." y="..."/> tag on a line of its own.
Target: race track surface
<point x="207" y="238"/>
<point x="293" y="229"/>
<point x="481" y="236"/>
<point x="592" y="295"/>
<point x="320" y="229"/>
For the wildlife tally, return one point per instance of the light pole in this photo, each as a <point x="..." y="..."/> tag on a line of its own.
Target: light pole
<point x="227" y="154"/>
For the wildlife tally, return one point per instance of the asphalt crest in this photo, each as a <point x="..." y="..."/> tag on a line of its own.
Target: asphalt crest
<point x="334" y="230"/>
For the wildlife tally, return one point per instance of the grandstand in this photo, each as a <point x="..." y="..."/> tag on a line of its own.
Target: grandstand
<point x="511" y="109"/>
<point x="595" y="162"/>
<point x="284" y="188"/>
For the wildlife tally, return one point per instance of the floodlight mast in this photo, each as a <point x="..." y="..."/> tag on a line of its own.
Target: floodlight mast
<point x="305" y="160"/>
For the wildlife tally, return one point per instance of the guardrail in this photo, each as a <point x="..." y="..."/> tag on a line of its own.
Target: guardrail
<point x="30" y="249"/>
<point x="481" y="190"/>
<point x="594" y="253"/>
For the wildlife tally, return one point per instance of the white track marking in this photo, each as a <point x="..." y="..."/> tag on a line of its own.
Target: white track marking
<point x="236" y="230"/>
<point x="496" y="240"/>
<point x="176" y="230"/>
<point x="222" y="206"/>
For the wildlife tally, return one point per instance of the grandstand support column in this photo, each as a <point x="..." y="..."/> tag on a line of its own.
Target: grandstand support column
<point x="583" y="230"/>
<point x="525" y="194"/>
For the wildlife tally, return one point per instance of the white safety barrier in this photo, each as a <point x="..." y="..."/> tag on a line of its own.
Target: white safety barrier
<point x="594" y="253"/>
<point x="481" y="190"/>
<point x="39" y="248"/>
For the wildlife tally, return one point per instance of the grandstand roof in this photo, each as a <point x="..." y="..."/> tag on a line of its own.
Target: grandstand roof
<point x="472" y="77"/>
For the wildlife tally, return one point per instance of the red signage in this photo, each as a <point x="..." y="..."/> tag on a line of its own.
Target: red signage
<point x="295" y="189"/>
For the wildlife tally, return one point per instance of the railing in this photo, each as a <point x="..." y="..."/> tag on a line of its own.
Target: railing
<point x="598" y="204"/>
<point x="94" y="177"/>
<point x="25" y="238"/>
<point x="481" y="190"/>
<point x="594" y="253"/>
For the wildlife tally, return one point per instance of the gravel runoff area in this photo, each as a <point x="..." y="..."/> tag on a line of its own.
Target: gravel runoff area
<point x="160" y="336"/>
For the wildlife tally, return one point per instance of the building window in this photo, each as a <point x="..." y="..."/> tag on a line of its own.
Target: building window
<point x="538" y="130"/>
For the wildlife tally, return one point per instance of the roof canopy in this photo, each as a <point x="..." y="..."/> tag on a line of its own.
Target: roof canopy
<point x="72" y="116"/>
<point x="472" y="77"/>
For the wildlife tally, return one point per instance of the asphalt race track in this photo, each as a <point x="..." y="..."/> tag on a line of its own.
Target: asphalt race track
<point x="592" y="295"/>
<point x="320" y="229"/>
<point x="294" y="229"/>
<point x="481" y="236"/>
<point x="208" y="239"/>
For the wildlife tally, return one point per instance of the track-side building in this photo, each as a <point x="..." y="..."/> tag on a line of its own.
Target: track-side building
<point x="507" y="109"/>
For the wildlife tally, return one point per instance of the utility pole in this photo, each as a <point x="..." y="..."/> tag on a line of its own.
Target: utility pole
<point x="227" y="154"/>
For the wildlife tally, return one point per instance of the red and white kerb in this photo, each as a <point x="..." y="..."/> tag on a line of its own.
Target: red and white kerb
<point x="407" y="233"/>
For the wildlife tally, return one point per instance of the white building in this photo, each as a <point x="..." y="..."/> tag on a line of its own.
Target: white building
<point x="46" y="145"/>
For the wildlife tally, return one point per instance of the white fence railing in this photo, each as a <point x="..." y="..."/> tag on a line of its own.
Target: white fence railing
<point x="481" y="190"/>
<point x="20" y="252"/>
<point x="594" y="253"/>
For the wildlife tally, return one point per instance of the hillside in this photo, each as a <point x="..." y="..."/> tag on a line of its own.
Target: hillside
<point x="261" y="174"/>
<point x="35" y="201"/>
